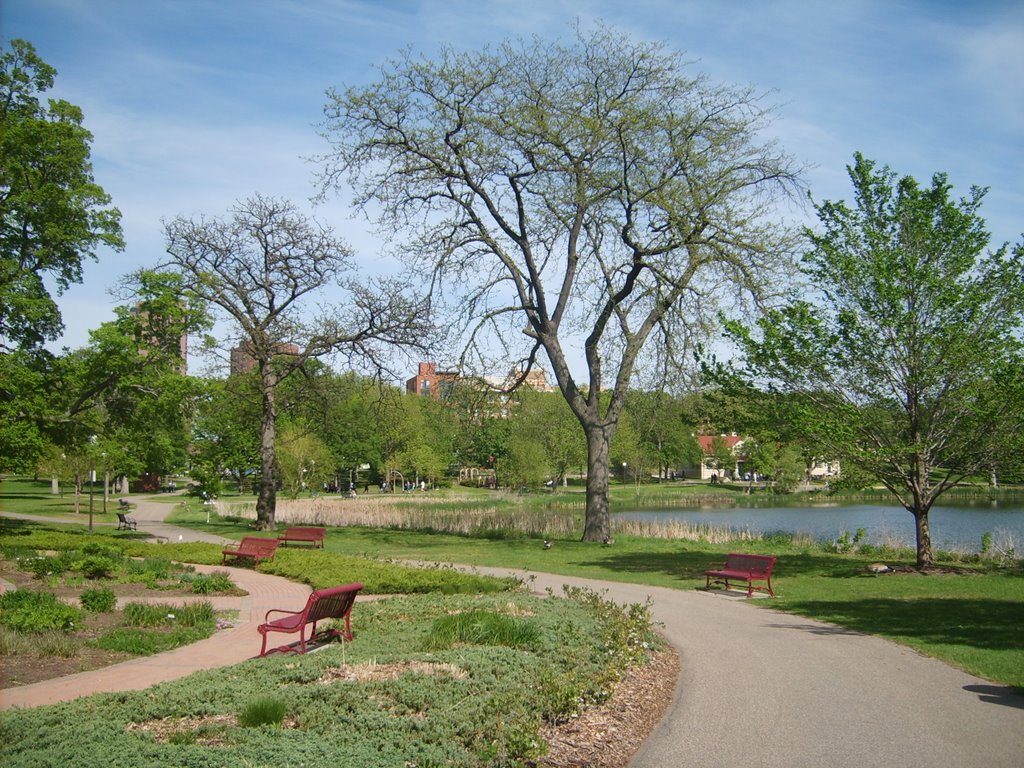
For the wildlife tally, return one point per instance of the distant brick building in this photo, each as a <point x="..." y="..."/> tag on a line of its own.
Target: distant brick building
<point x="430" y="382"/>
<point x="243" y="360"/>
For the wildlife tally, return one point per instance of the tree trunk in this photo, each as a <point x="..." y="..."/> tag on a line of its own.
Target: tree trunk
<point x="924" y="538"/>
<point x="597" y="518"/>
<point x="266" y="502"/>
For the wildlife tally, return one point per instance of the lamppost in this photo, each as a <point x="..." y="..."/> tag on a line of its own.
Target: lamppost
<point x="106" y="482"/>
<point x="623" y="473"/>
<point x="92" y="478"/>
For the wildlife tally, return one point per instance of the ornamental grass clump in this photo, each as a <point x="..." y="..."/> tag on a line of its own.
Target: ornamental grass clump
<point x="480" y="628"/>
<point x="266" y="710"/>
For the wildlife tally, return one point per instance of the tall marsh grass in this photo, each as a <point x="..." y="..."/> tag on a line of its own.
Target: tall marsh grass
<point x="445" y="516"/>
<point x="428" y="515"/>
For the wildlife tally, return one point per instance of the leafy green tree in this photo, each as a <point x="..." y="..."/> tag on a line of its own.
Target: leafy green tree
<point x="722" y="456"/>
<point x="663" y="429"/>
<point x="897" y="362"/>
<point x="565" y="196"/>
<point x="524" y="464"/>
<point x="52" y="213"/>
<point x="225" y="435"/>
<point x="304" y="461"/>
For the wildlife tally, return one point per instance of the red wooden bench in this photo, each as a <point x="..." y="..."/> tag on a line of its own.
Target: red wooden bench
<point x="742" y="567"/>
<point x="323" y="604"/>
<point x="314" y="536"/>
<point x="254" y="547"/>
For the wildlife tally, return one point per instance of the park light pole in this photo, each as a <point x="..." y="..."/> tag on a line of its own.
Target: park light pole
<point x="92" y="477"/>
<point x="623" y="473"/>
<point x="106" y="482"/>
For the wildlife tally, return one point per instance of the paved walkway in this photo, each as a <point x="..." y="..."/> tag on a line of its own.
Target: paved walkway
<point x="757" y="686"/>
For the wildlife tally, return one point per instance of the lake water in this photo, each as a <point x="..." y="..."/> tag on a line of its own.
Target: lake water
<point x="957" y="527"/>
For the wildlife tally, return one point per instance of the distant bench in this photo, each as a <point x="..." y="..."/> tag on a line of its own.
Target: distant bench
<point x="745" y="568"/>
<point x="323" y="604"/>
<point x="125" y="523"/>
<point x="314" y="536"/>
<point x="255" y="548"/>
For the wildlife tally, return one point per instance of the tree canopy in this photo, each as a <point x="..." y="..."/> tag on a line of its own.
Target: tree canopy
<point x="906" y="361"/>
<point x="53" y="215"/>
<point x="562" y="196"/>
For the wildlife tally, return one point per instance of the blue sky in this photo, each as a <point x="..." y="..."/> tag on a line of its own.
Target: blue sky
<point x="194" y="104"/>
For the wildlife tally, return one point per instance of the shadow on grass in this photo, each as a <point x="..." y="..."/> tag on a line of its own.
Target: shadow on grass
<point x="985" y="624"/>
<point x="692" y="564"/>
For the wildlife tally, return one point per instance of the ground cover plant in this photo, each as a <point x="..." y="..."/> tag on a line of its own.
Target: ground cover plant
<point x="390" y="697"/>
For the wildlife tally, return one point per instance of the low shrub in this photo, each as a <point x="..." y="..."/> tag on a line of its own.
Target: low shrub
<point x="29" y="611"/>
<point x="146" y="642"/>
<point x="98" y="600"/>
<point x="148" y="614"/>
<point x="322" y="569"/>
<point x="95" y="566"/>
<point x="208" y="583"/>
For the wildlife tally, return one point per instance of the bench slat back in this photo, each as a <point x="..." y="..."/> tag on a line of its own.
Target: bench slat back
<point x="305" y="531"/>
<point x="258" y="545"/>
<point x="332" y="603"/>
<point x="749" y="563"/>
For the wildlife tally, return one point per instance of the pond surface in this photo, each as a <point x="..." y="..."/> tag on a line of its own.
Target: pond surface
<point x="957" y="527"/>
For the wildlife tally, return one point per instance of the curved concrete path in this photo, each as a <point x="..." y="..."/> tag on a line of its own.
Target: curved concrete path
<point x="760" y="687"/>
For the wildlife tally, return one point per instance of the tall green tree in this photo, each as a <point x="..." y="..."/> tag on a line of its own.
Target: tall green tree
<point x="53" y="215"/>
<point x="915" y="328"/>
<point x="588" y="195"/>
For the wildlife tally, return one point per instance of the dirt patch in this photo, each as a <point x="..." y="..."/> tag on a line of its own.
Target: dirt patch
<point x="360" y="673"/>
<point x="608" y="736"/>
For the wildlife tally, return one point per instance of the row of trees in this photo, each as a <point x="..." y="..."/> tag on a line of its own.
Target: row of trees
<point x="581" y="196"/>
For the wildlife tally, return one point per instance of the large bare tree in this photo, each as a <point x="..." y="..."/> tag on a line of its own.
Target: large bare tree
<point x="582" y="197"/>
<point x="260" y="267"/>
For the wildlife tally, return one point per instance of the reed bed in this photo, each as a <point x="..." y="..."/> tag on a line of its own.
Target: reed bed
<point x="398" y="513"/>
<point x="445" y="516"/>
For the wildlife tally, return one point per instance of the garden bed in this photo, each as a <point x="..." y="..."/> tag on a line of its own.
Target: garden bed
<point x="92" y="639"/>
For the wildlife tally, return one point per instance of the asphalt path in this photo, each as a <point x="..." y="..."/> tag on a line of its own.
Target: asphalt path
<point x="761" y="687"/>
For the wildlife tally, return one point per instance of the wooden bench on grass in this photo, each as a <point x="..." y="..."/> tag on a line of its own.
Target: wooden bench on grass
<point x="125" y="523"/>
<point x="255" y="548"/>
<point x="314" y="536"/>
<point x="323" y="604"/>
<point x="746" y="568"/>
